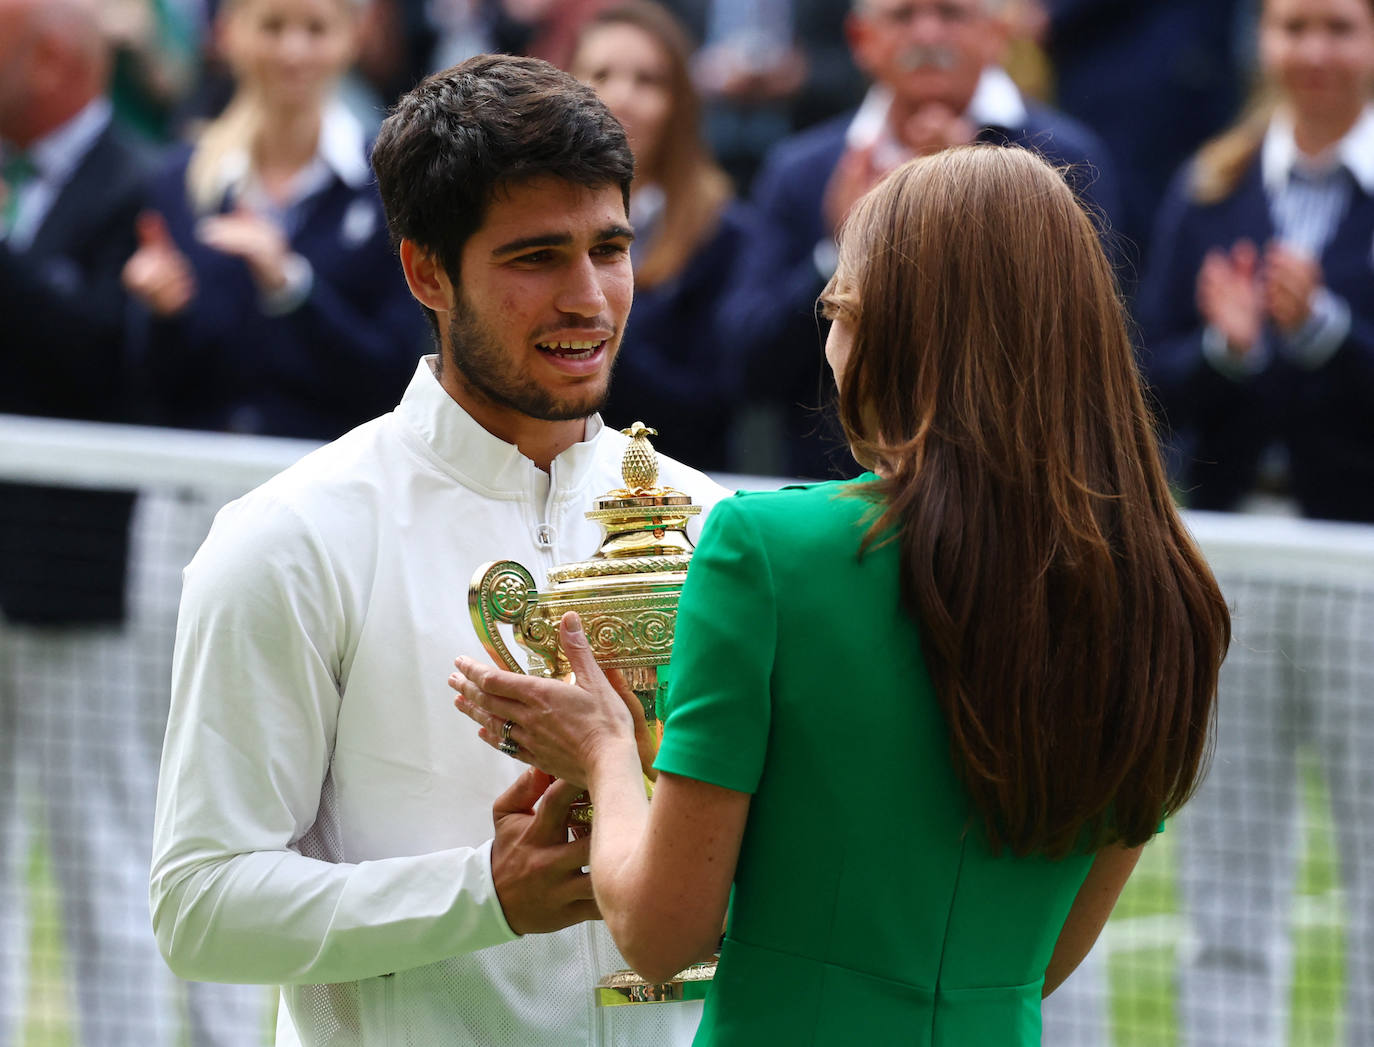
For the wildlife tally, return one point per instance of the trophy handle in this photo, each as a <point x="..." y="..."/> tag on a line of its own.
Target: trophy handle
<point x="500" y="592"/>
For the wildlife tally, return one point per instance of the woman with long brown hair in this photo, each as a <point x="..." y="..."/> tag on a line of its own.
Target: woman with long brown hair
<point x="922" y="721"/>
<point x="673" y="371"/>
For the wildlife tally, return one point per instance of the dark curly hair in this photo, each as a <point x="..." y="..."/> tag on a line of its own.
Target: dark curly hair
<point x="464" y="134"/>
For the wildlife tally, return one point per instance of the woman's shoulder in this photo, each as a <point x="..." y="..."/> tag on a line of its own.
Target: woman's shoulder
<point x="840" y="504"/>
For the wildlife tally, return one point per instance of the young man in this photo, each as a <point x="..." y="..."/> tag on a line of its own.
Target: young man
<point x="322" y="815"/>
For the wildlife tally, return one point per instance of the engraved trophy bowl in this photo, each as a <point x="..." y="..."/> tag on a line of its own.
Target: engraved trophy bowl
<point x="627" y="596"/>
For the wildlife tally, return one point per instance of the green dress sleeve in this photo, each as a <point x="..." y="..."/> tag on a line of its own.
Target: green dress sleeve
<point x="718" y="699"/>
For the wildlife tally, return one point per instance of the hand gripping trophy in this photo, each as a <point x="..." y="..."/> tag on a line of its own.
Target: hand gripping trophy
<point x="627" y="596"/>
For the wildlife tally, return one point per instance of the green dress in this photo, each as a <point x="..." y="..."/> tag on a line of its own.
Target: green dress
<point x="867" y="907"/>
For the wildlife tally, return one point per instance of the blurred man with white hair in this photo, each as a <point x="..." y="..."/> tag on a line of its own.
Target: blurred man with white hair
<point x="936" y="83"/>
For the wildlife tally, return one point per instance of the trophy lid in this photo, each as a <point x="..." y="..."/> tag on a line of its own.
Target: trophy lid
<point x="643" y="524"/>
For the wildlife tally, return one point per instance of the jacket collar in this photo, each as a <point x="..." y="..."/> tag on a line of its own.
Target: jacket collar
<point x="1279" y="156"/>
<point x="480" y="460"/>
<point x="340" y="153"/>
<point x="57" y="154"/>
<point x="996" y="102"/>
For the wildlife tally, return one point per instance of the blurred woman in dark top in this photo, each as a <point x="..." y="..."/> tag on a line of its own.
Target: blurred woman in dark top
<point x="673" y="372"/>
<point x="1258" y="307"/>
<point x="273" y="302"/>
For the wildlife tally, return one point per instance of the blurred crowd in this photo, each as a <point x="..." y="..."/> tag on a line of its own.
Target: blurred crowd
<point x="190" y="234"/>
<point x="195" y="175"/>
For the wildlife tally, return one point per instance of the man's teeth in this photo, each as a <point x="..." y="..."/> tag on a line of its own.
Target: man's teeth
<point x="570" y="348"/>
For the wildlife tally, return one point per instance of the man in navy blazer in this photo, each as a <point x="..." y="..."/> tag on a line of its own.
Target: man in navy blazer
<point x="79" y="729"/>
<point x="936" y="83"/>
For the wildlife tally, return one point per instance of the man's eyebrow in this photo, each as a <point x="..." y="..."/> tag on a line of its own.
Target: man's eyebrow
<point x="538" y="240"/>
<point x="526" y="243"/>
<point x="616" y="232"/>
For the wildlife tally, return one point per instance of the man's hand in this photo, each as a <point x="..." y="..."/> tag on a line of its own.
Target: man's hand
<point x="1290" y="279"/>
<point x="258" y="241"/>
<point x="537" y="871"/>
<point x="157" y="273"/>
<point x="935" y="127"/>
<point x="1230" y="298"/>
<point x="853" y="176"/>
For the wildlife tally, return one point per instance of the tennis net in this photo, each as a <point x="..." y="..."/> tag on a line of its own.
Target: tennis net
<point x="1250" y="921"/>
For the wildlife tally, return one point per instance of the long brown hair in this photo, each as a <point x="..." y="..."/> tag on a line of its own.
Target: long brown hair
<point x="695" y="189"/>
<point x="1071" y="627"/>
<point x="1221" y="162"/>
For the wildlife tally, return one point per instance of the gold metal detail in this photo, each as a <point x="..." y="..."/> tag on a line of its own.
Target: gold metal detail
<point x="624" y="987"/>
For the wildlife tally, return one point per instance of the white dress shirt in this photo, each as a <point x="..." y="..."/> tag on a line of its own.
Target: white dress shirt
<point x="324" y="813"/>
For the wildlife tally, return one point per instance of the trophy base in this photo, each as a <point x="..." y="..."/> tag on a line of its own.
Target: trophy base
<point x="626" y="987"/>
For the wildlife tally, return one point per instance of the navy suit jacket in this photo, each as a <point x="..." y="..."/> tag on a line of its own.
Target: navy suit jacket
<point x="63" y="550"/>
<point x="342" y="357"/>
<point x="1221" y="425"/>
<point x="673" y="372"/>
<point x="770" y="316"/>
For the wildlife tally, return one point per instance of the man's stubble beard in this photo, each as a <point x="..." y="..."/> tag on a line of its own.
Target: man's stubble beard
<point x="492" y="375"/>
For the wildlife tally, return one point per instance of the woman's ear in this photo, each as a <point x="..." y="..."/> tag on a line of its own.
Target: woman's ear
<point x="428" y="279"/>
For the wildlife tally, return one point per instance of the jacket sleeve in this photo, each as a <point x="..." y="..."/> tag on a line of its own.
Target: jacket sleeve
<point x="262" y="637"/>
<point x="347" y="350"/>
<point x="769" y="315"/>
<point x="1171" y="328"/>
<point x="64" y="313"/>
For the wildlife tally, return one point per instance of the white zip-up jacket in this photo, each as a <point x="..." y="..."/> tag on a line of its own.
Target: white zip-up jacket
<point x="324" y="813"/>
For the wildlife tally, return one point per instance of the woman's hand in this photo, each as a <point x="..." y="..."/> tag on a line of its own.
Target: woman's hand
<point x="1291" y="278"/>
<point x="561" y="728"/>
<point x="1229" y="296"/>
<point x="258" y="241"/>
<point x="158" y="274"/>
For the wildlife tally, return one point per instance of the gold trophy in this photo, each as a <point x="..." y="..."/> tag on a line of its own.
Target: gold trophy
<point x="627" y="596"/>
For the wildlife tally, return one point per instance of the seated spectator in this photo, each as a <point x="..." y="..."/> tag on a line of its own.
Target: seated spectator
<point x="673" y="372"/>
<point x="274" y="302"/>
<point x="937" y="83"/>
<point x="1258" y="308"/>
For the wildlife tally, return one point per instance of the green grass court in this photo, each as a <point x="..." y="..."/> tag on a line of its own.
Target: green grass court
<point x="1141" y="940"/>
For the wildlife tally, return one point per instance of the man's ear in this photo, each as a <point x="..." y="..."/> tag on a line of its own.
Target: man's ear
<point x="428" y="280"/>
<point x="857" y="34"/>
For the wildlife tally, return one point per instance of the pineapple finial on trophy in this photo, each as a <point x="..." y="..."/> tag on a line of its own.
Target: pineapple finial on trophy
<point x="639" y="467"/>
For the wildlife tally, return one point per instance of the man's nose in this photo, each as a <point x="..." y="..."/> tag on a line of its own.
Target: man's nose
<point x="581" y="293"/>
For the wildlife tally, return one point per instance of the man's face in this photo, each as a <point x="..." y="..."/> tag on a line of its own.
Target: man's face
<point x="16" y="44"/>
<point x="545" y="288"/>
<point x="926" y="51"/>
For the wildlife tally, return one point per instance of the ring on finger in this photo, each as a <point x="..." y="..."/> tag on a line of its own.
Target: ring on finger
<point x="508" y="745"/>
